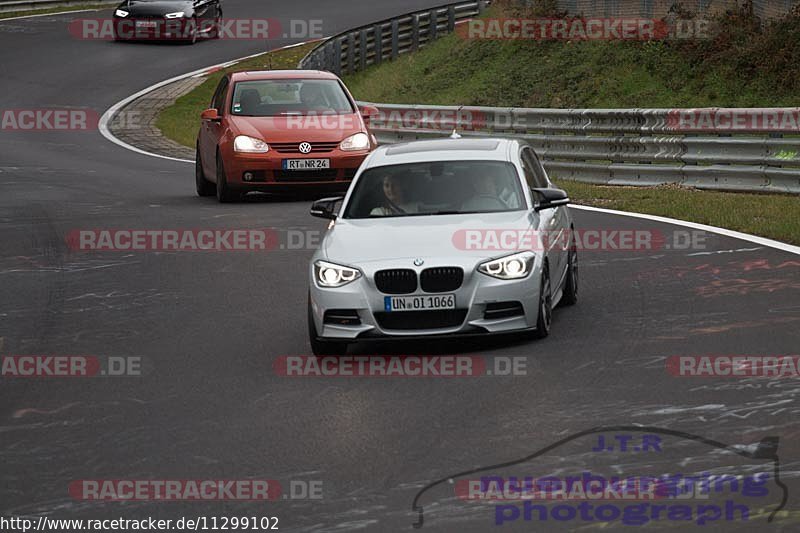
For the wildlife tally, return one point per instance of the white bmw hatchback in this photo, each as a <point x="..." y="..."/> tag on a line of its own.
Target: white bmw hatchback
<point x="447" y="237"/>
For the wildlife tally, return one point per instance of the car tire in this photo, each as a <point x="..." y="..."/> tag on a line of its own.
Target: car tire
<point x="570" y="296"/>
<point x="322" y="348"/>
<point x="204" y="187"/>
<point x="224" y="193"/>
<point x="545" y="312"/>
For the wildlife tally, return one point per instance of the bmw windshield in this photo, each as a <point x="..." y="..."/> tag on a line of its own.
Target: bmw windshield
<point x="436" y="188"/>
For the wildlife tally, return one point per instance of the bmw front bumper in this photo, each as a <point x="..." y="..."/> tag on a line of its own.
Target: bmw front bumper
<point x="484" y="305"/>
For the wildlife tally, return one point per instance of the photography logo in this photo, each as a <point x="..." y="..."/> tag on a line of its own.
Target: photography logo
<point x="618" y="475"/>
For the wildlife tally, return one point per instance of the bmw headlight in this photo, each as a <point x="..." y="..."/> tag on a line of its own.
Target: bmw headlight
<point x="515" y="266"/>
<point x="359" y="141"/>
<point x="250" y="145"/>
<point x="121" y="13"/>
<point x="333" y="275"/>
<point x="176" y="15"/>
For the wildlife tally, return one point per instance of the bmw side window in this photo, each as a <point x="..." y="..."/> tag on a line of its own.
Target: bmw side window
<point x="218" y="102"/>
<point x="534" y="172"/>
<point x="530" y="175"/>
<point x="538" y="169"/>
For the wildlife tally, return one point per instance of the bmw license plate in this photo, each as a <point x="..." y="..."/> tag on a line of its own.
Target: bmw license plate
<point x="306" y="164"/>
<point x="146" y="24"/>
<point x="419" y="303"/>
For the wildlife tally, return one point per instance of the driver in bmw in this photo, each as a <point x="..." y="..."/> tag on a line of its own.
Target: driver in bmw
<point x="394" y="202"/>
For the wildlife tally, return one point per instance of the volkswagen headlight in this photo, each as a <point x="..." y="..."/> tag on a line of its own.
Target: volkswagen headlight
<point x="121" y="13"/>
<point x="249" y="145"/>
<point x="176" y="15"/>
<point x="359" y="141"/>
<point x="515" y="266"/>
<point x="333" y="275"/>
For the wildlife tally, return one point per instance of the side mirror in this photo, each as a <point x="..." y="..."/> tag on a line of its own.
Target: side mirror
<point x="210" y="114"/>
<point x="550" y="198"/>
<point x="369" y="112"/>
<point x="325" y="208"/>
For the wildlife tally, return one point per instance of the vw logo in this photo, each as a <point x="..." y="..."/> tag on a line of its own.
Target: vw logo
<point x="419" y="262"/>
<point x="305" y="148"/>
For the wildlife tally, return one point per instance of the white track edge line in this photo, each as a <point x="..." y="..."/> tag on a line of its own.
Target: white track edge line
<point x="111" y="111"/>
<point x="763" y="241"/>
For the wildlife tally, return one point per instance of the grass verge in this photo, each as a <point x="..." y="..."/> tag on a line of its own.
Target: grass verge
<point x="181" y="121"/>
<point x="743" y="64"/>
<point x="774" y="216"/>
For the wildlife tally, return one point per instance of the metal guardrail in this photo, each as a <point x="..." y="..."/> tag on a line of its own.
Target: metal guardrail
<point x="757" y="151"/>
<point x="7" y="6"/>
<point x="609" y="146"/>
<point x="356" y="49"/>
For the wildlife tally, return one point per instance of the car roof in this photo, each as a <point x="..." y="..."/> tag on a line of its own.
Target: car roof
<point x="255" y="75"/>
<point x="443" y="150"/>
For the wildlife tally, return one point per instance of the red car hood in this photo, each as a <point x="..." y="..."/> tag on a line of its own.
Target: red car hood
<point x="328" y="128"/>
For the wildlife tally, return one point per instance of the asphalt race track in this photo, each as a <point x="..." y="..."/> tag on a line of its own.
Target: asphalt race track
<point x="209" y="326"/>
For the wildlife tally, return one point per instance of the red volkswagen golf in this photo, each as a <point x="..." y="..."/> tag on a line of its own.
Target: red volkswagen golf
<point x="280" y="130"/>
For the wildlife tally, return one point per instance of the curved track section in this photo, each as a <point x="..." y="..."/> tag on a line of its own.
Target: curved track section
<point x="209" y="326"/>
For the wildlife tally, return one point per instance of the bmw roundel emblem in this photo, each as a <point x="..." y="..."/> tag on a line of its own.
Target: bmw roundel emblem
<point x="305" y="148"/>
<point x="419" y="262"/>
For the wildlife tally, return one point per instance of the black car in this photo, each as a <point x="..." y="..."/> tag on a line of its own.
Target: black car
<point x="167" y="20"/>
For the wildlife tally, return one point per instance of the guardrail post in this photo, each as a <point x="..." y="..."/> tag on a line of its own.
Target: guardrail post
<point x="327" y="56"/>
<point x="481" y="7"/>
<point x="337" y="57"/>
<point x="433" y="26"/>
<point x="351" y="45"/>
<point x="414" y="32"/>
<point x="451" y="18"/>
<point x="395" y="38"/>
<point x="378" y="32"/>
<point x="362" y="49"/>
